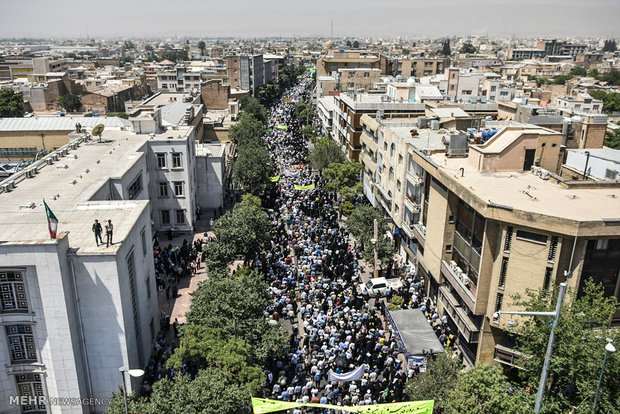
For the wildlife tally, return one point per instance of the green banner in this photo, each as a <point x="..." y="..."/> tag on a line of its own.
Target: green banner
<point x="304" y="187"/>
<point x="261" y="406"/>
<point x="274" y="179"/>
<point x="269" y="130"/>
<point x="284" y="127"/>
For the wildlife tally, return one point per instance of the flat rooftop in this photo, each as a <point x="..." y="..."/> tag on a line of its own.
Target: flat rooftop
<point x="545" y="196"/>
<point x="69" y="192"/>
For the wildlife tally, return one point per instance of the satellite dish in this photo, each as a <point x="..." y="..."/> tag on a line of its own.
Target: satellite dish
<point x="98" y="130"/>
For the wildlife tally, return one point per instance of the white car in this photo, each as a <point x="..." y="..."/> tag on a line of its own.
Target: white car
<point x="376" y="287"/>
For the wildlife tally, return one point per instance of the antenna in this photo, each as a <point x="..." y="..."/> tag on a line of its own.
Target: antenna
<point x="98" y="130"/>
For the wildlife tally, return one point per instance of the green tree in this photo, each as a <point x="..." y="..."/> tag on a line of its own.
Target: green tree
<point x="611" y="100"/>
<point x="304" y="112"/>
<point x="445" y="48"/>
<point x="339" y="175"/>
<point x="577" y="352"/>
<point x="250" y="105"/>
<point x="325" y="152"/>
<point x="251" y="200"/>
<point x="578" y="71"/>
<point x="202" y="46"/>
<point x="593" y="72"/>
<point x="437" y="383"/>
<point x="70" y="102"/>
<point x="308" y="131"/>
<point x="468" y="48"/>
<point x="218" y="256"/>
<point x="11" y="104"/>
<point x="361" y="225"/>
<point x="252" y="169"/>
<point x="609" y="46"/>
<point x="356" y="44"/>
<point x="612" y="77"/>
<point x="247" y="229"/>
<point x="484" y="389"/>
<point x="348" y="44"/>
<point x="247" y="131"/>
<point x="612" y="138"/>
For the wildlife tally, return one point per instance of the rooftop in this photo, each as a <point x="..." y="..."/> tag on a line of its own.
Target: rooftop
<point x="62" y="123"/>
<point x="70" y="186"/>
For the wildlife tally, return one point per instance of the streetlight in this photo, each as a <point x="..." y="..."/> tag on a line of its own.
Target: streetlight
<point x="136" y="373"/>
<point x="609" y="348"/>
<point x="556" y="315"/>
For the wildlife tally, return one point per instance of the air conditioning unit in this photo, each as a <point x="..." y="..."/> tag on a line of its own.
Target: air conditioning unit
<point x="545" y="175"/>
<point x="466" y="280"/>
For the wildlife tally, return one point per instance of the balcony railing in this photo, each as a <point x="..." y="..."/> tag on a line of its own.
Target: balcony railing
<point x="412" y="203"/>
<point x="413" y="178"/>
<point x="463" y="248"/>
<point x="459" y="286"/>
<point x="419" y="232"/>
<point x="465" y="325"/>
<point x="408" y="229"/>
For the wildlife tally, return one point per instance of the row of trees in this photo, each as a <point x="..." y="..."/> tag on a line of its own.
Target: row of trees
<point x="253" y="165"/>
<point x="574" y="369"/>
<point x="226" y="340"/>
<point x="11" y="104"/>
<point x="268" y="94"/>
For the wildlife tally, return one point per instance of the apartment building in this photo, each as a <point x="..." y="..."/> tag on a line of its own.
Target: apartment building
<point x="248" y="71"/>
<point x="493" y="220"/>
<point x="417" y="67"/>
<point x="351" y="107"/>
<point x="179" y="79"/>
<point x="582" y="103"/>
<point x="329" y="64"/>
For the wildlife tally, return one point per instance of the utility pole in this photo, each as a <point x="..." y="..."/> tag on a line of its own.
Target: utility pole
<point x="376" y="272"/>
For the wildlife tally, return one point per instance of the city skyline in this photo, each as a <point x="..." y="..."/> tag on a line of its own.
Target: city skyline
<point x="64" y="19"/>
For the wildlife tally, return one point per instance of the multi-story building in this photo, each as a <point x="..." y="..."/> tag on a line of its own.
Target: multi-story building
<point x="330" y="63"/>
<point x="179" y="79"/>
<point x="582" y="103"/>
<point x="555" y="47"/>
<point x="248" y="71"/>
<point x="416" y="66"/>
<point x="492" y="220"/>
<point x="526" y="53"/>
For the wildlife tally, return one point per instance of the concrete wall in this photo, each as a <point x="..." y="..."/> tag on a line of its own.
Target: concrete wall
<point x="210" y="182"/>
<point x="215" y="95"/>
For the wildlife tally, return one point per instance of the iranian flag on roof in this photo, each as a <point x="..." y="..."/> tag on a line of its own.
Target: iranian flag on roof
<point x="52" y="221"/>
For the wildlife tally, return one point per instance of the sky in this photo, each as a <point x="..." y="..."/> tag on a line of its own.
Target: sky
<point x="351" y="18"/>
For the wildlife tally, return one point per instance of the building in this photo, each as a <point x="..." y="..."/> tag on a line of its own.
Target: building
<point x="416" y="66"/>
<point x="555" y="47"/>
<point x="582" y="103"/>
<point x="526" y="53"/>
<point x="215" y="94"/>
<point x="178" y="79"/>
<point x="247" y="71"/>
<point x="597" y="164"/>
<point x="23" y="138"/>
<point x="329" y="64"/>
<point x="109" y="99"/>
<point x="483" y="222"/>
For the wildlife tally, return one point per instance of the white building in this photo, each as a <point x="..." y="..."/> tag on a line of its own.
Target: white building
<point x="72" y="313"/>
<point x="582" y="103"/>
<point x="599" y="163"/>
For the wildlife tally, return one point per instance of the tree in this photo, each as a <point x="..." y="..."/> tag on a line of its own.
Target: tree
<point x="361" y="225"/>
<point x="308" y="131"/>
<point x="578" y="71"/>
<point x="437" y="383"/>
<point x="356" y="44"/>
<point x="325" y="152"/>
<point x="304" y="112"/>
<point x="341" y="175"/>
<point x="70" y="102"/>
<point x="445" y="48"/>
<point x="609" y="46"/>
<point x="202" y="46"/>
<point x="612" y="138"/>
<point x="468" y="48"/>
<point x="11" y="104"/>
<point x="248" y="131"/>
<point x="611" y="100"/>
<point x="484" y="389"/>
<point x="218" y="256"/>
<point x="593" y="72"/>
<point x="247" y="229"/>
<point x="348" y="43"/>
<point x="250" y="105"/>
<point x="578" y="348"/>
<point x="252" y="169"/>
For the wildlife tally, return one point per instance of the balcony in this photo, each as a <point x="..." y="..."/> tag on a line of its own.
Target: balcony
<point x="508" y="356"/>
<point x="459" y="286"/>
<point x="407" y="229"/>
<point x="466" y="326"/>
<point x="463" y="248"/>
<point x="412" y="204"/>
<point x="413" y="178"/>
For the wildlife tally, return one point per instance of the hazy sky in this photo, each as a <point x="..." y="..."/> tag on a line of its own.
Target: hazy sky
<point x="248" y="18"/>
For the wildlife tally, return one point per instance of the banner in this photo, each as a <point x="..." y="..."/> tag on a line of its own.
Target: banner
<point x="304" y="187"/>
<point x="269" y="130"/>
<point x="262" y="406"/>
<point x="357" y="373"/>
<point x="284" y="127"/>
<point x="274" y="179"/>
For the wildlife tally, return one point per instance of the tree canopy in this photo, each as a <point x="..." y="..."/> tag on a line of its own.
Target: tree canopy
<point x="361" y="225"/>
<point x="250" y="105"/>
<point x="468" y="48"/>
<point x="340" y="175"/>
<point x="247" y="131"/>
<point x="445" y="48"/>
<point x="70" y="102"/>
<point x="437" y="383"/>
<point x="578" y="348"/>
<point x="611" y="100"/>
<point x="325" y="152"/>
<point x="252" y="168"/>
<point x="11" y="104"/>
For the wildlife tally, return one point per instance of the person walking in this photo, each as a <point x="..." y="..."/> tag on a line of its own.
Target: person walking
<point x="97" y="230"/>
<point x="109" y="229"/>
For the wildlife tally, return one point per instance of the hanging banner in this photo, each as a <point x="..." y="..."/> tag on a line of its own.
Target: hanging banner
<point x="261" y="406"/>
<point x="357" y="373"/>
<point x="304" y="187"/>
<point x="274" y="179"/>
<point x="269" y="130"/>
<point x="284" y="127"/>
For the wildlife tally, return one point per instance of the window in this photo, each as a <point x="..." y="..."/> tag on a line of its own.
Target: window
<point x="448" y="248"/>
<point x="135" y="187"/>
<point x="400" y="159"/>
<point x="502" y="273"/>
<point x="493" y="88"/>
<point x="531" y="237"/>
<point x="13" y="292"/>
<point x="180" y="216"/>
<point x="366" y="74"/>
<point x="553" y="247"/>
<point x="498" y="302"/>
<point x="178" y="188"/>
<point x="161" y="160"/>
<point x="176" y="160"/>
<point x="508" y="240"/>
<point x="165" y="217"/>
<point x="547" y="281"/>
<point x="163" y="189"/>
<point x="131" y="272"/>
<point x="31" y="387"/>
<point x="21" y="344"/>
<point x="143" y="238"/>
<point x="601" y="244"/>
<point x="147" y="282"/>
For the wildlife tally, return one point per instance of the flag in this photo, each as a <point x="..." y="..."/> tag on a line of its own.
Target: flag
<point x="52" y="221"/>
<point x="357" y="373"/>
<point x="274" y="179"/>
<point x="262" y="406"/>
<point x="304" y="187"/>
